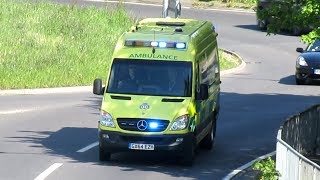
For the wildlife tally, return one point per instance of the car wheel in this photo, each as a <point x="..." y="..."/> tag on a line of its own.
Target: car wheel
<point x="262" y="25"/>
<point x="208" y="141"/>
<point x="300" y="82"/>
<point x="103" y="155"/>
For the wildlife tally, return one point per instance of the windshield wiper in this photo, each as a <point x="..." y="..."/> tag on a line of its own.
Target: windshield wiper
<point x="171" y="100"/>
<point x="120" y="97"/>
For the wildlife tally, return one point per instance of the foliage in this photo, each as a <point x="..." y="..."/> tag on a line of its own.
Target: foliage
<point x="289" y="14"/>
<point x="267" y="168"/>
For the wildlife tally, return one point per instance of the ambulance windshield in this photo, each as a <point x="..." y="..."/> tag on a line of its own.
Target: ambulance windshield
<point x="151" y="77"/>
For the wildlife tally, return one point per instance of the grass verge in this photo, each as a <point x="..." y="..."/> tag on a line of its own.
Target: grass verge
<point x="48" y="45"/>
<point x="228" y="61"/>
<point x="242" y="4"/>
<point x="51" y="45"/>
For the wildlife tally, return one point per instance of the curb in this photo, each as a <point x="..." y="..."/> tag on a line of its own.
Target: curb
<point x="79" y="89"/>
<point x="236" y="69"/>
<point x="246" y="168"/>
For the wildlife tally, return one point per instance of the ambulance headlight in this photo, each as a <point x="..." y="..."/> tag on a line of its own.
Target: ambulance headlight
<point x="106" y="119"/>
<point x="180" y="123"/>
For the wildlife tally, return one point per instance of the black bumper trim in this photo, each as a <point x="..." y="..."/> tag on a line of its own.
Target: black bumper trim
<point x="112" y="141"/>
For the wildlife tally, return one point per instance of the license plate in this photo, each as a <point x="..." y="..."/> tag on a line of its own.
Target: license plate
<point x="317" y="71"/>
<point x="141" y="146"/>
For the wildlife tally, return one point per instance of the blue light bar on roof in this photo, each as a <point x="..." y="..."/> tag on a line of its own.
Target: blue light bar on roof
<point x="180" y="45"/>
<point x="154" y="44"/>
<point x="160" y="44"/>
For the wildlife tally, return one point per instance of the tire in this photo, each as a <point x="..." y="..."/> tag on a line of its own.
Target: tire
<point x="208" y="141"/>
<point x="189" y="154"/>
<point x="103" y="155"/>
<point x="262" y="25"/>
<point x="300" y="82"/>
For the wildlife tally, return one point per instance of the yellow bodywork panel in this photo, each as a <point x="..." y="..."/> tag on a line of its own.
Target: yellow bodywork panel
<point x="157" y="110"/>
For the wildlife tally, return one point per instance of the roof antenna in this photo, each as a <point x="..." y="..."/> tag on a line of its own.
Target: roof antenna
<point x="154" y="39"/>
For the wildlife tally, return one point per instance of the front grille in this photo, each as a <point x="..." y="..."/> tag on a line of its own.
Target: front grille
<point x="315" y="65"/>
<point x="314" y="76"/>
<point x="131" y="124"/>
<point x="141" y="139"/>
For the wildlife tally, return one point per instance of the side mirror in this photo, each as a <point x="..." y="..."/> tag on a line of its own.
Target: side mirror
<point x="97" y="87"/>
<point x="300" y="50"/>
<point x="204" y="91"/>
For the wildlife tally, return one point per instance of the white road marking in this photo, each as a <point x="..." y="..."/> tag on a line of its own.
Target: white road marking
<point x="88" y="147"/>
<point x="239" y="169"/>
<point x="48" y="171"/>
<point x="16" y="111"/>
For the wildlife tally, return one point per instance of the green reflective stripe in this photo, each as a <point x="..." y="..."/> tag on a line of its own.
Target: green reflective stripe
<point x="154" y="56"/>
<point x="192" y="124"/>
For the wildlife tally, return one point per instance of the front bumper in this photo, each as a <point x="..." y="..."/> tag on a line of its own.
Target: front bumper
<point x="112" y="141"/>
<point x="306" y="73"/>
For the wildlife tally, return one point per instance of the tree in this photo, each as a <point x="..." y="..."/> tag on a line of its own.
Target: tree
<point x="292" y="14"/>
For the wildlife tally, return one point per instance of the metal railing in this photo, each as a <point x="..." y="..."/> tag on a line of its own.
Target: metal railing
<point x="171" y="5"/>
<point x="297" y="139"/>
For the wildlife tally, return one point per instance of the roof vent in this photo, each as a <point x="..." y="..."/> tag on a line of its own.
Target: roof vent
<point x="178" y="29"/>
<point x="170" y="23"/>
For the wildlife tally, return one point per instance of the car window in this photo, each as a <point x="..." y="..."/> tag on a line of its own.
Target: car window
<point x="315" y="46"/>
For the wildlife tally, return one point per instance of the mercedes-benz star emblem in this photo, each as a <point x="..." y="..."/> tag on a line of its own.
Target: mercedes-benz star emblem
<point x="142" y="125"/>
<point x="144" y="106"/>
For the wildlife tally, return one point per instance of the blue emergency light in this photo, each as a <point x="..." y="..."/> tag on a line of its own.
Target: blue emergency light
<point x="180" y="45"/>
<point x="160" y="44"/>
<point x="153" y="125"/>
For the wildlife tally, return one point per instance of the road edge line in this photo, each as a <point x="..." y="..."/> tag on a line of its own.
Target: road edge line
<point x="48" y="171"/>
<point x="243" y="167"/>
<point x="236" y="69"/>
<point x="88" y="147"/>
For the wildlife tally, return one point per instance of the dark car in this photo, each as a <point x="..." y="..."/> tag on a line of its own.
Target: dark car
<point x="308" y="63"/>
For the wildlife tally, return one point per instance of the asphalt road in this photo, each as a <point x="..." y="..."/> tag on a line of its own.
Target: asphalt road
<point x="37" y="131"/>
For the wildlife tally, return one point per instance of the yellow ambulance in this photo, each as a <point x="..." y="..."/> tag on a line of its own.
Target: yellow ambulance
<point x="162" y="89"/>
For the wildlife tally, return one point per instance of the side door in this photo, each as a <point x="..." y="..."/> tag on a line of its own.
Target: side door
<point x="202" y="109"/>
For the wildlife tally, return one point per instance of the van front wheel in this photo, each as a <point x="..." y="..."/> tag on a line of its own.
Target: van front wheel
<point x="189" y="153"/>
<point x="103" y="155"/>
<point x="208" y="141"/>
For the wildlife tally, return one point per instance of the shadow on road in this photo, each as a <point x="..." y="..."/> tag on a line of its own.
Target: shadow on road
<point x="290" y="80"/>
<point x="254" y="27"/>
<point x="247" y="129"/>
